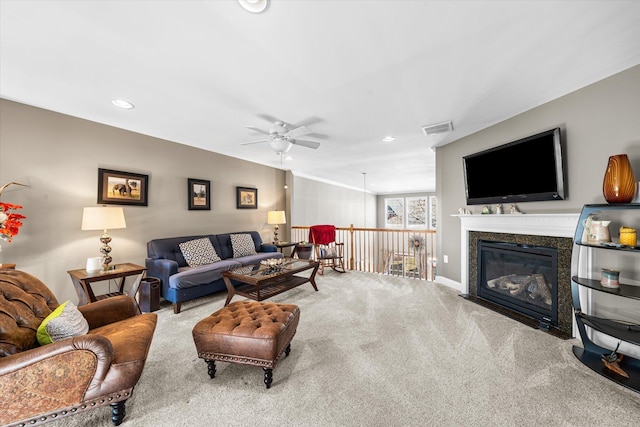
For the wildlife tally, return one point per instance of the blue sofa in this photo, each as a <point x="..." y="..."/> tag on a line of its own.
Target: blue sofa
<point x="180" y="283"/>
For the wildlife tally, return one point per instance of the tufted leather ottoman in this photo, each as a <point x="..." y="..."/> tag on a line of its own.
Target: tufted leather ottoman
<point x="248" y="332"/>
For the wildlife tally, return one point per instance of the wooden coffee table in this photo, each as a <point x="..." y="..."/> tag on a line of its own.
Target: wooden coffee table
<point x="256" y="282"/>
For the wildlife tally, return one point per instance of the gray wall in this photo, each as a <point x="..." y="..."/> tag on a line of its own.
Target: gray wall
<point x="59" y="156"/>
<point x="381" y="208"/>
<point x="315" y="202"/>
<point x="596" y="122"/>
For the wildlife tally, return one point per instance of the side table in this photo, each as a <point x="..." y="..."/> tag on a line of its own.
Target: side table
<point x="82" y="281"/>
<point x="303" y="251"/>
<point x="282" y="245"/>
<point x="6" y="266"/>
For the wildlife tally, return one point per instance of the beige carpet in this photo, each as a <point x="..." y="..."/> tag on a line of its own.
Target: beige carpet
<point x="375" y="350"/>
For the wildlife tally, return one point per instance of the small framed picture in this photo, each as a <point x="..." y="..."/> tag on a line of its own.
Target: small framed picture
<point x="199" y="197"/>
<point x="417" y="214"/>
<point x="122" y="188"/>
<point x="394" y="212"/>
<point x="433" y="209"/>
<point x="246" y="198"/>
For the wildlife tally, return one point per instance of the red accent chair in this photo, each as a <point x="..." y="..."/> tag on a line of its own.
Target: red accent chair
<point x="328" y="252"/>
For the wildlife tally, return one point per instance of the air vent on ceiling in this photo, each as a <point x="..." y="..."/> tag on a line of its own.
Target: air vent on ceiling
<point x="438" y="128"/>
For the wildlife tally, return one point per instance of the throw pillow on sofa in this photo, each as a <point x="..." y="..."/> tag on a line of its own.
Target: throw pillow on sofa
<point x="63" y="322"/>
<point x="242" y="245"/>
<point x="199" y="252"/>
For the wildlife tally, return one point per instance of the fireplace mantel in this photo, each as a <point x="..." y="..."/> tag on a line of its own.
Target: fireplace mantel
<point x="555" y="225"/>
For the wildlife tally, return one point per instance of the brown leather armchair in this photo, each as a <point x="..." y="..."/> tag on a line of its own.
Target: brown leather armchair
<point x="38" y="383"/>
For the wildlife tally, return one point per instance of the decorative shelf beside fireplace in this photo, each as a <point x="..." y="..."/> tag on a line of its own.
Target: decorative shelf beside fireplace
<point x="608" y="318"/>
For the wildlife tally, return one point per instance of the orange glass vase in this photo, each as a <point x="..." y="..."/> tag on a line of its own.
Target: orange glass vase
<point x="619" y="185"/>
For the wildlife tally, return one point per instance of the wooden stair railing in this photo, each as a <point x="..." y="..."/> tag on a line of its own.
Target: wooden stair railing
<point x="402" y="252"/>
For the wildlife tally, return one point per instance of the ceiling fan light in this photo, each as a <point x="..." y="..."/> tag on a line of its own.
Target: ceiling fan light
<point x="254" y="6"/>
<point x="280" y="145"/>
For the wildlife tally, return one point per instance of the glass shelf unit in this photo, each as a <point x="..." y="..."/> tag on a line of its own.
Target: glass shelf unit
<point x="598" y="331"/>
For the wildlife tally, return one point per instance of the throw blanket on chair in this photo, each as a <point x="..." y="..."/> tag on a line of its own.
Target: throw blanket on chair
<point x="322" y="234"/>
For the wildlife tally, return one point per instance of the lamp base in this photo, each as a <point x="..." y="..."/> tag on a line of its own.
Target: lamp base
<point x="105" y="250"/>
<point x="275" y="235"/>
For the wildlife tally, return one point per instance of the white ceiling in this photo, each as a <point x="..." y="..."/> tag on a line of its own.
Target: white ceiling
<point x="353" y="72"/>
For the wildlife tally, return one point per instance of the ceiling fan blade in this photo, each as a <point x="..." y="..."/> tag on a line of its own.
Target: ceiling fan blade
<point x="318" y="135"/>
<point x="255" y="142"/>
<point x="309" y="121"/>
<point x="302" y="130"/>
<point x="257" y="129"/>
<point x="268" y="118"/>
<point x="308" y="144"/>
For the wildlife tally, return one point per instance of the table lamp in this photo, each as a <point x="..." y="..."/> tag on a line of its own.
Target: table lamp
<point x="103" y="218"/>
<point x="275" y="218"/>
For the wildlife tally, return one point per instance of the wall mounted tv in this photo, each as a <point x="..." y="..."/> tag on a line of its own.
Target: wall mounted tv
<point x="527" y="170"/>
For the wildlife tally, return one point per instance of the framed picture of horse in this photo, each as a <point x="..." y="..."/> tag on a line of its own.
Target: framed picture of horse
<point x="122" y="188"/>
<point x="199" y="198"/>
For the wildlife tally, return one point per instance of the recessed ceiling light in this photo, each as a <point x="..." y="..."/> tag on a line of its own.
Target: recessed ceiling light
<point x="254" y="6"/>
<point x="122" y="103"/>
<point x="388" y="138"/>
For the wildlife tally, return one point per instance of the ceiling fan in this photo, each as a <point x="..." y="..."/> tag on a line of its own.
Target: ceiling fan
<point x="281" y="139"/>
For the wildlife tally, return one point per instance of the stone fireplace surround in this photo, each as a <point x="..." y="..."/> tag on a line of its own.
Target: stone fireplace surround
<point x="551" y="230"/>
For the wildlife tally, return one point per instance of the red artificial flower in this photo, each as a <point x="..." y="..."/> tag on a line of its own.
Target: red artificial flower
<point x="9" y="222"/>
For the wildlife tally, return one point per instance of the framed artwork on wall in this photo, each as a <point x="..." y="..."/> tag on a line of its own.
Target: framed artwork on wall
<point x="433" y="207"/>
<point x="122" y="188"/>
<point x="417" y="214"/>
<point x="246" y="198"/>
<point x="198" y="192"/>
<point x="394" y="212"/>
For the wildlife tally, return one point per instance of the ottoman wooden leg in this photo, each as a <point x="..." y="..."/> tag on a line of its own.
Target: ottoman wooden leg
<point x="211" y="364"/>
<point x="287" y="350"/>
<point x="268" y="377"/>
<point x="118" y="411"/>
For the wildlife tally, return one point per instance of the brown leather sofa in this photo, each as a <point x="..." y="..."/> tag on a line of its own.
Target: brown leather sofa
<point x="38" y="383"/>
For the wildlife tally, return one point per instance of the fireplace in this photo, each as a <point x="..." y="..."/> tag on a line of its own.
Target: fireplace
<point x="532" y="252"/>
<point x="521" y="278"/>
<point x="532" y="229"/>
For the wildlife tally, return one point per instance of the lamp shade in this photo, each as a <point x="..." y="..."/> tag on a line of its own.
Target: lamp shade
<point x="103" y="218"/>
<point x="276" y="217"/>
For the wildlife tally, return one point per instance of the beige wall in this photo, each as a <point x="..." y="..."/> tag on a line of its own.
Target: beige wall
<point x="59" y="157"/>
<point x="596" y="122"/>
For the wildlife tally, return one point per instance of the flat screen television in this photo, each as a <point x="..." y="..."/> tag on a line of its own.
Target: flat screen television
<point x="527" y="170"/>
